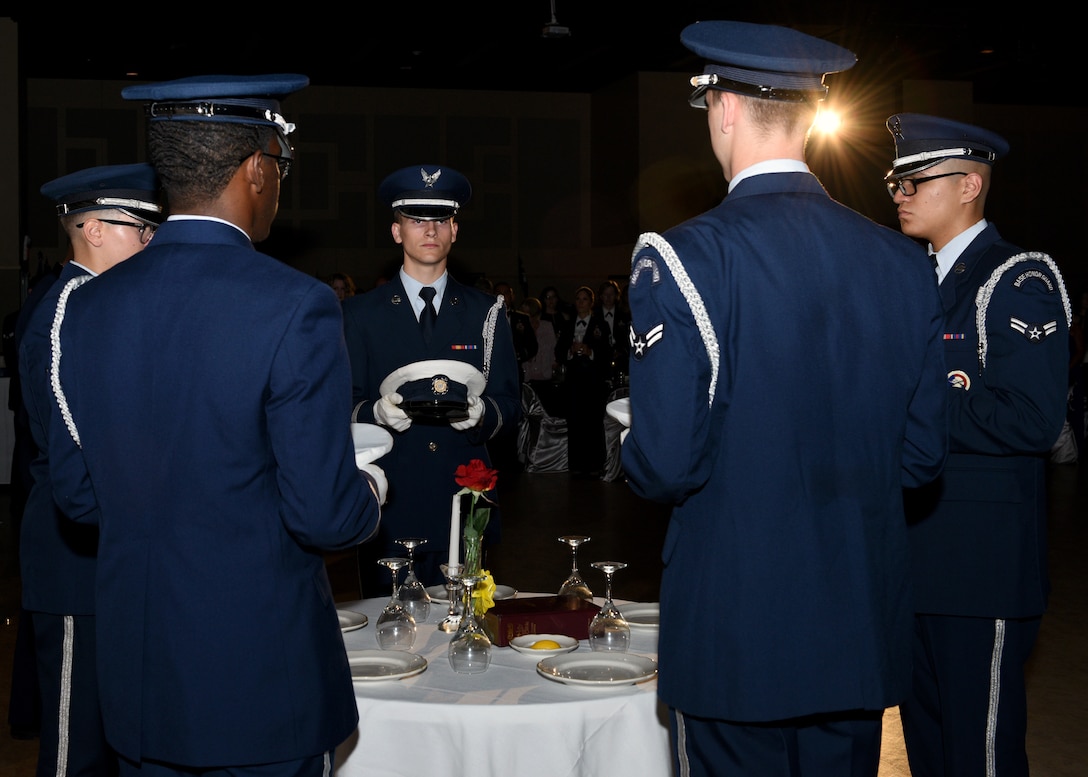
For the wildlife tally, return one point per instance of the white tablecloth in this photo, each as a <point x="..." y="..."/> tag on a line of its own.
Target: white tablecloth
<point x="508" y="721"/>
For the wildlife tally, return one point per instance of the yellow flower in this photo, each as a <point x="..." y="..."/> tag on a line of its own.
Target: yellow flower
<point x="483" y="595"/>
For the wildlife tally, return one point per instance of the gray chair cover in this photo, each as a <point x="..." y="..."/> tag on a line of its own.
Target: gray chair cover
<point x="542" y="438"/>
<point x="613" y="467"/>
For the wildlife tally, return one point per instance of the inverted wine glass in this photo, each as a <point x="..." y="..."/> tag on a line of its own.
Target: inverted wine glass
<point x="574" y="585"/>
<point x="470" y="649"/>
<point x="412" y="592"/>
<point x="609" y="630"/>
<point x="396" y="628"/>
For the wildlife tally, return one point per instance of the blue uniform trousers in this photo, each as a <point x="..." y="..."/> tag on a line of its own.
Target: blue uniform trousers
<point x="319" y="765"/>
<point x="72" y="741"/>
<point x="967" y="713"/>
<point x="844" y="744"/>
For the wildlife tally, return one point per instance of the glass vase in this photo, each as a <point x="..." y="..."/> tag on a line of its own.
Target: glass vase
<point x="473" y="555"/>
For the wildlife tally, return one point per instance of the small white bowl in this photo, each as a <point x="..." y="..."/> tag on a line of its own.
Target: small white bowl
<point x="523" y="644"/>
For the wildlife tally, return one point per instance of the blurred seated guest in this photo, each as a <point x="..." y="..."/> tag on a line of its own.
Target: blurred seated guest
<point x="539" y="372"/>
<point x="555" y="309"/>
<point x="525" y="345"/>
<point x="343" y="285"/>
<point x="611" y="311"/>
<point x="584" y="348"/>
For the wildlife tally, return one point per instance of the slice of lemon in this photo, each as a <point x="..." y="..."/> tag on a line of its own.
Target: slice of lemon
<point x="545" y="644"/>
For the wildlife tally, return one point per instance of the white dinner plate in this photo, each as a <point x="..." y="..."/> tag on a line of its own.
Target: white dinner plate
<point x="600" y="668"/>
<point x="644" y="615"/>
<point x="620" y="409"/>
<point x="371" y="665"/>
<point x="350" y="621"/>
<point x="438" y="593"/>
<point x="371" y="443"/>
<point x="524" y="644"/>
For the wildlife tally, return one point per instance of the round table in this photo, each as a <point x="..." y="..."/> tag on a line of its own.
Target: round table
<point x="509" y="721"/>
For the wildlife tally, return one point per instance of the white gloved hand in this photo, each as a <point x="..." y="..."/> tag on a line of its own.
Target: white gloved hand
<point x="388" y="414"/>
<point x="475" y="413"/>
<point x="380" y="480"/>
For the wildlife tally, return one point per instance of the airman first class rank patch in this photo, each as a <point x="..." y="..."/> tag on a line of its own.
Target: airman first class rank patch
<point x="1034" y="333"/>
<point x="643" y="342"/>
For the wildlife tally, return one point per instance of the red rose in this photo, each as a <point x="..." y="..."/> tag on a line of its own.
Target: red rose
<point x="476" y="476"/>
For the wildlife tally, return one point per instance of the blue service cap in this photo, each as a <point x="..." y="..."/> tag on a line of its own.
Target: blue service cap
<point x="131" y="188"/>
<point x="924" y="141"/>
<point x="435" y="390"/>
<point x="762" y="60"/>
<point x="425" y="192"/>
<point x="236" y="99"/>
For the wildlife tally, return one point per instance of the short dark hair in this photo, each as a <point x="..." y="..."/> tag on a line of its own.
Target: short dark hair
<point x="196" y="160"/>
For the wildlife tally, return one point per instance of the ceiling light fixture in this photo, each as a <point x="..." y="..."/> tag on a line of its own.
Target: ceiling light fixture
<point x="554" y="29"/>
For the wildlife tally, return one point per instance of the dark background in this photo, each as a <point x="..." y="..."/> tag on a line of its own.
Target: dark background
<point x="1024" y="54"/>
<point x="472" y="71"/>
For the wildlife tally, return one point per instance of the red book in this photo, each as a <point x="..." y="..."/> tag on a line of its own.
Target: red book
<point x="511" y="618"/>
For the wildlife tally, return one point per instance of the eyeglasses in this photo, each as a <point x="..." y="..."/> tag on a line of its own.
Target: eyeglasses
<point x="909" y="186"/>
<point x="146" y="230"/>
<point x="284" y="163"/>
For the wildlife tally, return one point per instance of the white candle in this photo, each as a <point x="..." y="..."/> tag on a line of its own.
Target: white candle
<point x="455" y="531"/>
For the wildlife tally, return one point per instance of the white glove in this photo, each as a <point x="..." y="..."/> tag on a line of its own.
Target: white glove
<point x="623" y="434"/>
<point x="388" y="414"/>
<point x="380" y="480"/>
<point x="475" y="413"/>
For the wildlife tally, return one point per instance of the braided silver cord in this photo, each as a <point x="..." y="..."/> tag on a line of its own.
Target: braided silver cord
<point x="691" y="295"/>
<point x="54" y="366"/>
<point x="489" y="332"/>
<point x="986" y="291"/>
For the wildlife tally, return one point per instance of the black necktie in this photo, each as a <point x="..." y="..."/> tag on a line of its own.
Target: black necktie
<point x="428" y="316"/>
<point x="933" y="258"/>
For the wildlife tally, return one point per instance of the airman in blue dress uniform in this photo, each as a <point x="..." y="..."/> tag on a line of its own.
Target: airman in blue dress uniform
<point x="787" y="382"/>
<point x="384" y="337"/>
<point x="108" y="213"/>
<point x="201" y="392"/>
<point x="978" y="534"/>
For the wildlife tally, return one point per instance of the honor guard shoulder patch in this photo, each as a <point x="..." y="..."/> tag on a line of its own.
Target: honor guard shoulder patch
<point x="643" y="342"/>
<point x="645" y="263"/>
<point x="1035" y="274"/>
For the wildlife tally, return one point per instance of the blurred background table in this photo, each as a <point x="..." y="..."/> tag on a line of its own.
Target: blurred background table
<point x="506" y="721"/>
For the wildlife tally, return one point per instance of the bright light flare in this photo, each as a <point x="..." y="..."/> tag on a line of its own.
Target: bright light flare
<point x="828" y="121"/>
<point x="850" y="148"/>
